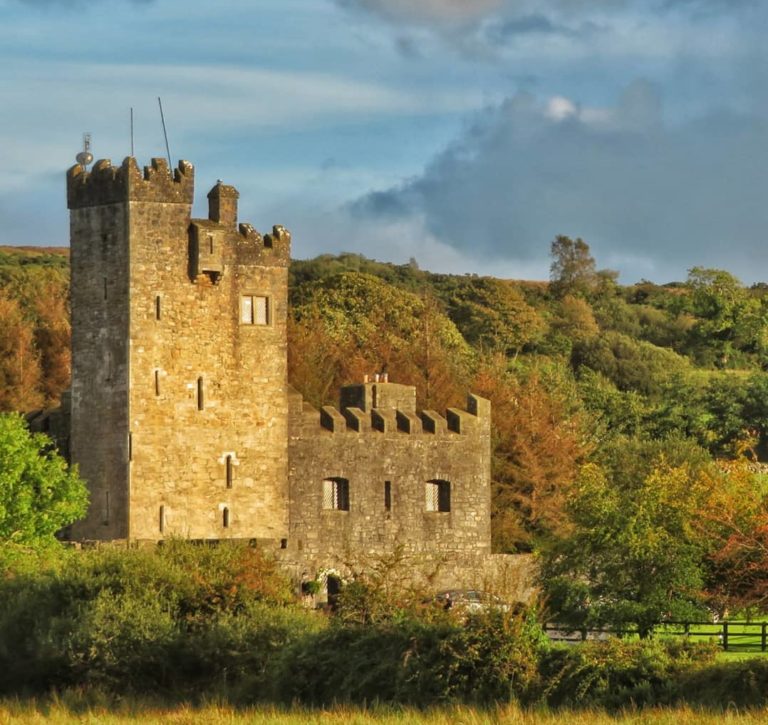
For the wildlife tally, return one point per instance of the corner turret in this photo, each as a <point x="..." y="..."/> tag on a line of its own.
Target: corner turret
<point x="222" y="205"/>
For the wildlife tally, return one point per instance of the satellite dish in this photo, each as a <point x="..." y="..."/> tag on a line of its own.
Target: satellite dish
<point x="85" y="157"/>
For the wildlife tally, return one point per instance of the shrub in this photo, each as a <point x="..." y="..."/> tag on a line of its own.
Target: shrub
<point x="724" y="684"/>
<point x="487" y="657"/>
<point x="616" y="674"/>
<point x="180" y="618"/>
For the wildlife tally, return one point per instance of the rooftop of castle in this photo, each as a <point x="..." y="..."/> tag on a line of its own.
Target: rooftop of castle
<point x="108" y="184"/>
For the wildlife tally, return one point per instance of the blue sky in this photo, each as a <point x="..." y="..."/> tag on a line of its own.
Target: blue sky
<point x="464" y="133"/>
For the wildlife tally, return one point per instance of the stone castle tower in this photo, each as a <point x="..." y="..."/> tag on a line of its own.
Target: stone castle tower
<point x="179" y="391"/>
<point x="180" y="416"/>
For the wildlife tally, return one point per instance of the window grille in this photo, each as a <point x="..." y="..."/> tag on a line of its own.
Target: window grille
<point x="336" y="494"/>
<point x="438" y="495"/>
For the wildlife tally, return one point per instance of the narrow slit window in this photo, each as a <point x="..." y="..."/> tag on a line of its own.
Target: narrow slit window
<point x="106" y="509"/>
<point x="387" y="495"/>
<point x="157" y="382"/>
<point x="210" y="244"/>
<point x="200" y="394"/>
<point x="162" y="519"/>
<point x="438" y="496"/>
<point x="158" y="307"/>
<point x="255" y="310"/>
<point x="230" y="471"/>
<point x="105" y="288"/>
<point x="336" y="494"/>
<point x="225" y="517"/>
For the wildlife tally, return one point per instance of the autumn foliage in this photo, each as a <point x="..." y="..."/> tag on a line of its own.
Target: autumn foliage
<point x="652" y="399"/>
<point x="35" y="329"/>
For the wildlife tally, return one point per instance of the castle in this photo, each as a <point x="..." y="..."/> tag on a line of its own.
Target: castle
<point x="181" y="418"/>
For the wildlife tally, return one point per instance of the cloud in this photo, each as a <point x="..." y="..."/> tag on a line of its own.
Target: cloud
<point x="651" y="199"/>
<point x="425" y="12"/>
<point x="485" y="29"/>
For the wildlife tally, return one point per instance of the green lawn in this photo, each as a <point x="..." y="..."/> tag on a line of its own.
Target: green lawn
<point x="743" y="637"/>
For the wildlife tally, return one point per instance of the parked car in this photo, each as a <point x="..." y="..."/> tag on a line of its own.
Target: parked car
<point x="470" y="600"/>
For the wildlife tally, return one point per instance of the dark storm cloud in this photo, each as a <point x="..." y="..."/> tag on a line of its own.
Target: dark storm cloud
<point x="647" y="197"/>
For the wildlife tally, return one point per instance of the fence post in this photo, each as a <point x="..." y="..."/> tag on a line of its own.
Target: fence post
<point x="725" y="636"/>
<point x="687" y="629"/>
<point x="763" y="633"/>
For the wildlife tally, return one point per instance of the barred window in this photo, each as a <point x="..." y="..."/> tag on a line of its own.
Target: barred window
<point x="336" y="494"/>
<point x="438" y="495"/>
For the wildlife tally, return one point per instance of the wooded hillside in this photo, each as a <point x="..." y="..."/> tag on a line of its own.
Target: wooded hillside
<point x="632" y="414"/>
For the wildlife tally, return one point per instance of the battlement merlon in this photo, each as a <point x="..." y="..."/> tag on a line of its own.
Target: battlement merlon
<point x="474" y="421"/>
<point x="107" y="184"/>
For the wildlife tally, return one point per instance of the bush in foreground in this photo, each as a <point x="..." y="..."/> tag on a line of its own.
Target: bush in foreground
<point x="489" y="657"/>
<point x="178" y="618"/>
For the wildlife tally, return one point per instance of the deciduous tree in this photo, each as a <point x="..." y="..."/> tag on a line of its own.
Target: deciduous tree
<point x="39" y="494"/>
<point x="634" y="554"/>
<point x="573" y="268"/>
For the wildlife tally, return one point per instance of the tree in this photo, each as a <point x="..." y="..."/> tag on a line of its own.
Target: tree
<point x="735" y="520"/>
<point x="634" y="554"/>
<point x="730" y="319"/>
<point x="350" y="324"/>
<point x="493" y="315"/>
<point x="629" y="363"/>
<point x="538" y="445"/>
<point x="52" y="337"/>
<point x="39" y="494"/>
<point x="573" y="268"/>
<point x="576" y="319"/>
<point x="19" y="359"/>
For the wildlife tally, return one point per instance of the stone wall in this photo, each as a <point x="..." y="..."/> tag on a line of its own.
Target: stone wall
<point x="193" y="422"/>
<point x="99" y="258"/>
<point x="388" y="458"/>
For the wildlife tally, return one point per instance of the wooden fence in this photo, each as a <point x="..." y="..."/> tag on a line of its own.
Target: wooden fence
<point x="732" y="636"/>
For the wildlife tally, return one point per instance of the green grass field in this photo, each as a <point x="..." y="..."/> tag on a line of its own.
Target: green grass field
<point x="744" y="638"/>
<point x="59" y="712"/>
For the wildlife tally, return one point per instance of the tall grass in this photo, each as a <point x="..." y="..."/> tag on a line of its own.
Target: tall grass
<point x="69" y="709"/>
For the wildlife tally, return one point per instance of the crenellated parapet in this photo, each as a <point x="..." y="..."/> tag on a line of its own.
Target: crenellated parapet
<point x="273" y="249"/>
<point x="107" y="184"/>
<point x="219" y="241"/>
<point x="358" y="413"/>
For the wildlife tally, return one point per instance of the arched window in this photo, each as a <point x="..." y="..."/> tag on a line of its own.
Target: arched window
<point x="438" y="495"/>
<point x="336" y="494"/>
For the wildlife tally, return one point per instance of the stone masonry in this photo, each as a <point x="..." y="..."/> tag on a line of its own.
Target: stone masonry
<point x="179" y="404"/>
<point x="393" y="463"/>
<point x="182" y="421"/>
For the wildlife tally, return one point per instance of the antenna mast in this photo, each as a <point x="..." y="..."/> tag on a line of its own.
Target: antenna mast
<point x="85" y="157"/>
<point x="165" y="133"/>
